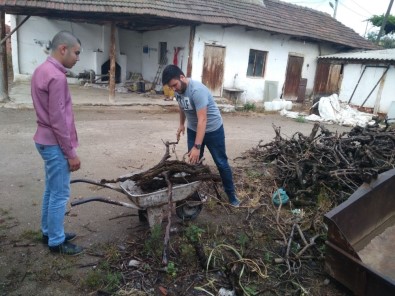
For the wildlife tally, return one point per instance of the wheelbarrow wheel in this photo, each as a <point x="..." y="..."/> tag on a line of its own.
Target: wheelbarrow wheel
<point x="143" y="216"/>
<point x="188" y="209"/>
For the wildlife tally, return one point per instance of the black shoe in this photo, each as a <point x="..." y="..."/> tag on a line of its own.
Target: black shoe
<point x="66" y="248"/>
<point x="69" y="236"/>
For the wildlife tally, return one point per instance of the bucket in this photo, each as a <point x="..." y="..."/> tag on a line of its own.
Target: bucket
<point x="268" y="106"/>
<point x="277" y="105"/>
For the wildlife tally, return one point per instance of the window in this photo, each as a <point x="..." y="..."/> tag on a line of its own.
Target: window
<point x="162" y="53"/>
<point x="256" y="63"/>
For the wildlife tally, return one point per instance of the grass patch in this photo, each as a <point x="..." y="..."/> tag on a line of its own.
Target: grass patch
<point x="249" y="107"/>
<point x="102" y="280"/>
<point x="154" y="244"/>
<point x="301" y="119"/>
<point x="32" y="235"/>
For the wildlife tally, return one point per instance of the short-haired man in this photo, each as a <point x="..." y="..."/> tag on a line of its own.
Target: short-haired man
<point x="56" y="138"/>
<point x="205" y="126"/>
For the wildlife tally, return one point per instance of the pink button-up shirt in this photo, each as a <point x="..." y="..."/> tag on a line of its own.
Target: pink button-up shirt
<point x="53" y="105"/>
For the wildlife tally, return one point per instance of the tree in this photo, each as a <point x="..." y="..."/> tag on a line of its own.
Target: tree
<point x="377" y="21"/>
<point x="388" y="40"/>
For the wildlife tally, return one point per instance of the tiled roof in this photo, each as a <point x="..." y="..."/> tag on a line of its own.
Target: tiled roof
<point x="376" y="55"/>
<point x="270" y="15"/>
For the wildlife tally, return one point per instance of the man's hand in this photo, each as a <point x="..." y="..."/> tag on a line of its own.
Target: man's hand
<point x="74" y="164"/>
<point x="181" y="129"/>
<point x="194" y="154"/>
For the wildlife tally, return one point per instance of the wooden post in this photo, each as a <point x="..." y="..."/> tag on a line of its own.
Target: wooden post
<point x="3" y="62"/>
<point x="190" y="53"/>
<point x="112" y="65"/>
<point x="14" y="30"/>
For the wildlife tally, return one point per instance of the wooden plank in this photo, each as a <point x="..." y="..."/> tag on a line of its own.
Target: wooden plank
<point x="191" y="45"/>
<point x="3" y="61"/>
<point x="112" y="64"/>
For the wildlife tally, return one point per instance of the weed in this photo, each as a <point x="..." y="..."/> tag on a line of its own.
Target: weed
<point x="251" y="290"/>
<point x="249" y="106"/>
<point x="111" y="253"/>
<point x="153" y="245"/>
<point x="242" y="240"/>
<point x="32" y="235"/>
<point x="323" y="200"/>
<point x="210" y="204"/>
<point x="171" y="269"/>
<point x="93" y="280"/>
<point x="187" y="253"/>
<point x="253" y="174"/>
<point x="99" y="279"/>
<point x="268" y="257"/>
<point x="301" y="119"/>
<point x="113" y="281"/>
<point x="193" y="233"/>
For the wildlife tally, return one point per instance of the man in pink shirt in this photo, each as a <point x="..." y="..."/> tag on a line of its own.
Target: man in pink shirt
<point x="56" y="138"/>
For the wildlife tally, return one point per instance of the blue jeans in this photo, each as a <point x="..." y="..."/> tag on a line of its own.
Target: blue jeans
<point x="215" y="142"/>
<point x="56" y="193"/>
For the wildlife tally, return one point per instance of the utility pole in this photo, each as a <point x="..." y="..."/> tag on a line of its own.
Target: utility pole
<point x="384" y="21"/>
<point x="334" y="7"/>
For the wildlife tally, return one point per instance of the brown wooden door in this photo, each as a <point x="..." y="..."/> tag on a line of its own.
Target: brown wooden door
<point x="292" y="77"/>
<point x="328" y="79"/>
<point x="213" y="68"/>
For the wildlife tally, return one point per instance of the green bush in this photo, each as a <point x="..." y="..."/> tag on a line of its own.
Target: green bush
<point x="249" y="106"/>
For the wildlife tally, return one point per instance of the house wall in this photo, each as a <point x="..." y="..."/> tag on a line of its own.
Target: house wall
<point x="238" y="43"/>
<point x="29" y="44"/>
<point x="130" y="45"/>
<point x="175" y="37"/>
<point x="380" y="102"/>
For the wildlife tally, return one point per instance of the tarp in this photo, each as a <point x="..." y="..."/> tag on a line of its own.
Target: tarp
<point x="332" y="111"/>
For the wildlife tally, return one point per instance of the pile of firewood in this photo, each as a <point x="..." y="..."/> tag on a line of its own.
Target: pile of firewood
<point x="173" y="171"/>
<point x="306" y="166"/>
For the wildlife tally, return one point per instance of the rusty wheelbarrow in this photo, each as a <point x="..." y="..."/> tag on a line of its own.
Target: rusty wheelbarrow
<point x="150" y="206"/>
<point x="360" y="251"/>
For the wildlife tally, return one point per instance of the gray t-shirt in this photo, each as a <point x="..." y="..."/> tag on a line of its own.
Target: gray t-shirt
<point x="196" y="97"/>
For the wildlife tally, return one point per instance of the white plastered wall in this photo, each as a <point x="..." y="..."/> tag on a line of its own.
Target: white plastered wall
<point x="175" y="37"/>
<point x="238" y="43"/>
<point x="379" y="101"/>
<point x="29" y="44"/>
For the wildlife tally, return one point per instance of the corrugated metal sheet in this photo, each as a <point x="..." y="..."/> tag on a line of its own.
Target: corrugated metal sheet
<point x="270" y="15"/>
<point x="380" y="55"/>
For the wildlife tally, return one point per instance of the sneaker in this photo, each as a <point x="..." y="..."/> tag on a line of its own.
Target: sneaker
<point x="235" y="202"/>
<point x="69" y="236"/>
<point x="66" y="248"/>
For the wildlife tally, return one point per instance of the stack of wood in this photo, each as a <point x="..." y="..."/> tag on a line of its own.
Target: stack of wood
<point x="173" y="171"/>
<point x="327" y="163"/>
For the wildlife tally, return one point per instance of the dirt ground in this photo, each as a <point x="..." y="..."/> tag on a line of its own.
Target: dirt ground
<point x="113" y="141"/>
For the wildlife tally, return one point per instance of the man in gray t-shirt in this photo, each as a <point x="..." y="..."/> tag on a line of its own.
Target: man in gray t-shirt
<point x="204" y="124"/>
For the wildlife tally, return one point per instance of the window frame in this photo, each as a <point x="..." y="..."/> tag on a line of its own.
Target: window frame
<point x="255" y="53"/>
<point x="162" y="55"/>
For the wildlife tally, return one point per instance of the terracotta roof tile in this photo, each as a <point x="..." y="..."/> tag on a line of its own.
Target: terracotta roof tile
<point x="270" y="15"/>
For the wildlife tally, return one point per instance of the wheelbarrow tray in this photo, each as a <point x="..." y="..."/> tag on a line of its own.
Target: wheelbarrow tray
<point x="361" y="242"/>
<point x="159" y="197"/>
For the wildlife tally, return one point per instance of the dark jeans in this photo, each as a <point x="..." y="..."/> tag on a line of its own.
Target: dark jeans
<point x="215" y="142"/>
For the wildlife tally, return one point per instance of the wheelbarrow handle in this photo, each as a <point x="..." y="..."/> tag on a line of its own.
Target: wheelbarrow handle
<point x="105" y="200"/>
<point x="96" y="183"/>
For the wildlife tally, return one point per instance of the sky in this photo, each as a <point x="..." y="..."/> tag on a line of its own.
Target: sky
<point x="351" y="13"/>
